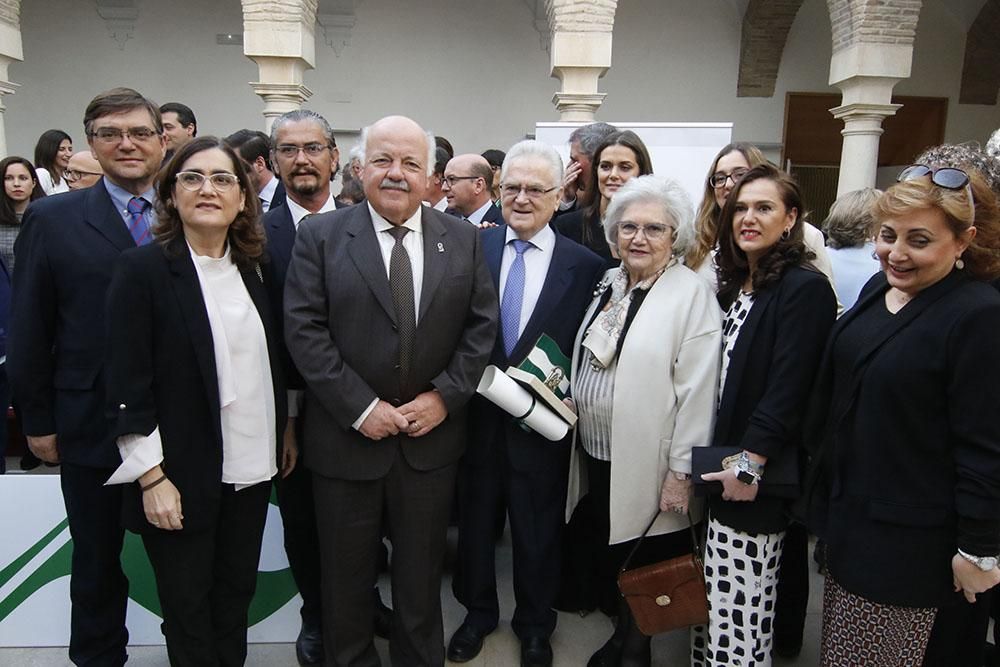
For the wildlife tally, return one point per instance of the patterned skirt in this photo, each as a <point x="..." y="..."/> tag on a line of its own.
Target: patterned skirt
<point x="857" y="631"/>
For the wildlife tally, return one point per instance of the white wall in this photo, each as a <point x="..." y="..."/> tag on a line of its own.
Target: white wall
<point x="472" y="70"/>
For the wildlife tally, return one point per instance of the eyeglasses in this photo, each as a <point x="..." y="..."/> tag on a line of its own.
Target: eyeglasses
<point x="114" y="135"/>
<point x="948" y="178"/>
<point x="451" y="180"/>
<point x="652" y="232"/>
<point x="512" y="190"/>
<point x="222" y="181"/>
<point x="291" y="150"/>
<point x="75" y="174"/>
<point x="719" y="179"/>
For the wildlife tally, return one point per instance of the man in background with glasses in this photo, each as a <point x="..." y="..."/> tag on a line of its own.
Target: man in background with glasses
<point x="66" y="251"/>
<point x="468" y="185"/>
<point x="83" y="170"/>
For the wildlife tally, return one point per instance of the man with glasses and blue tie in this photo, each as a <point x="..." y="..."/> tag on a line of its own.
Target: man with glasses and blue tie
<point x="66" y="251"/>
<point x="545" y="282"/>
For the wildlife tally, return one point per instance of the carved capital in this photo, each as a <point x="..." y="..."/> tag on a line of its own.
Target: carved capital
<point x="119" y="16"/>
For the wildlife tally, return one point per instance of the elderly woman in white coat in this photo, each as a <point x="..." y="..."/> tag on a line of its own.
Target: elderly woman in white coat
<point x="645" y="376"/>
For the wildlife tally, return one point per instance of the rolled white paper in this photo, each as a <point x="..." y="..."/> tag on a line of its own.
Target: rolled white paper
<point x="512" y="398"/>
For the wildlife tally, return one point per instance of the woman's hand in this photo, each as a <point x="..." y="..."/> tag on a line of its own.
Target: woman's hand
<point x="675" y="494"/>
<point x="162" y="502"/>
<point x="732" y="488"/>
<point x="289" y="449"/>
<point x="970" y="580"/>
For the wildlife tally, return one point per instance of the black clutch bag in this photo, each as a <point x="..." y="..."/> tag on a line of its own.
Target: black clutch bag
<point x="781" y="474"/>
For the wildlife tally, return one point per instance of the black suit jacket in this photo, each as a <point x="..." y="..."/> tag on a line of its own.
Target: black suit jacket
<point x="770" y="373"/>
<point x="279" y="196"/>
<point x="907" y="443"/>
<point x="161" y="372"/>
<point x="65" y="253"/>
<point x="565" y="296"/>
<point x="341" y="332"/>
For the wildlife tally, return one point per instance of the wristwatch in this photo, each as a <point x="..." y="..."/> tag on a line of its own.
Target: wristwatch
<point x="984" y="563"/>
<point x="747" y="471"/>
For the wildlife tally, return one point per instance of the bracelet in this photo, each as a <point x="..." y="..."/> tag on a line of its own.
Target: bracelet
<point x="160" y="479"/>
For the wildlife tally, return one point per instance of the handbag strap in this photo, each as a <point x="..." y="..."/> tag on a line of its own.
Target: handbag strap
<point x="694" y="538"/>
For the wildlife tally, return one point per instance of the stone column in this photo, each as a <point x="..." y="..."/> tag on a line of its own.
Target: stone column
<point x="10" y="51"/>
<point x="859" y="155"/>
<point x="580" y="53"/>
<point x="279" y="35"/>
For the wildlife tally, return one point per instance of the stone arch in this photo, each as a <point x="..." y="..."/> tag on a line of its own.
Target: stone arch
<point x="765" y="30"/>
<point x="981" y="70"/>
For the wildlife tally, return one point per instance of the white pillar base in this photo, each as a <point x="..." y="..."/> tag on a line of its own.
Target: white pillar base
<point x="578" y="106"/>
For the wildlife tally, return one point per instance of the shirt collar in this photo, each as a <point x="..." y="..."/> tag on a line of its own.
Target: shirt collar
<point x="120" y="196"/>
<point x="544" y="239"/>
<point x="267" y="192"/>
<point x="298" y="212"/>
<point x="477" y="216"/>
<point x="414" y="224"/>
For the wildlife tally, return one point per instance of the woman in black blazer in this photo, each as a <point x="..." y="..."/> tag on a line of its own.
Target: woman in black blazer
<point x="194" y="384"/>
<point x="779" y="311"/>
<point x="906" y="484"/>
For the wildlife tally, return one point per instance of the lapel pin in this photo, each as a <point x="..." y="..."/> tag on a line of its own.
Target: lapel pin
<point x="440" y="247"/>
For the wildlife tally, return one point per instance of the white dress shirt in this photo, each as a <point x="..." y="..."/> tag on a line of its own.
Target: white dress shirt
<point x="414" y="244"/>
<point x="476" y="217"/>
<point x="298" y="212"/>
<point x="266" y="195"/>
<point x="536" y="266"/>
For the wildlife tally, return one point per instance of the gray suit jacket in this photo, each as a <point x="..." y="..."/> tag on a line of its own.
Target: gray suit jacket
<point x="341" y="333"/>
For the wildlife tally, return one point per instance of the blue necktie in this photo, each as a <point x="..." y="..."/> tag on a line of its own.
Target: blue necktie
<point x="137" y="226"/>
<point x="513" y="294"/>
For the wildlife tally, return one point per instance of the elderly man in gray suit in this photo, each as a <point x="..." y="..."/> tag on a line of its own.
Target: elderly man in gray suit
<point x="390" y="317"/>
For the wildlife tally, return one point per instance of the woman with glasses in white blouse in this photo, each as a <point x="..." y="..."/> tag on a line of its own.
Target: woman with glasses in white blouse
<point x="194" y="385"/>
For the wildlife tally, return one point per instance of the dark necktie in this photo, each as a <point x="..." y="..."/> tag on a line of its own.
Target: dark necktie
<point x="137" y="226"/>
<point x="513" y="295"/>
<point x="401" y="285"/>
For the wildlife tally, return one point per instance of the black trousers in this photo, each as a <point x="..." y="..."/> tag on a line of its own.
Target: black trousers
<point x="415" y="505"/>
<point x="536" y="501"/>
<point x="206" y="580"/>
<point x="958" y="635"/>
<point x="793" y="588"/>
<point x="98" y="589"/>
<point x="298" y="515"/>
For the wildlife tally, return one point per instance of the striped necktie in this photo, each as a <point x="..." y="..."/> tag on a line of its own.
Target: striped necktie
<point x="513" y="295"/>
<point x="137" y="226"/>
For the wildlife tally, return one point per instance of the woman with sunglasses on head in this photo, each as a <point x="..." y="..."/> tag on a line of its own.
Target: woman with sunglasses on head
<point x="779" y="310"/>
<point x="905" y="488"/>
<point x="619" y="158"/>
<point x="729" y="165"/>
<point x="197" y="400"/>
<point x="52" y="153"/>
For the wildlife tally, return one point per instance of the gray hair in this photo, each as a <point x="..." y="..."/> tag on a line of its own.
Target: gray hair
<point x="851" y="220"/>
<point x="362" y="148"/>
<point x="964" y="156"/>
<point x="993" y="145"/>
<point x="533" y="148"/>
<point x="591" y="136"/>
<point x="665" y="192"/>
<point x="298" y="116"/>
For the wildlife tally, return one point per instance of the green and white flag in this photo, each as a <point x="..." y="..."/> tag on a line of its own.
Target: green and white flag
<point x="547" y="362"/>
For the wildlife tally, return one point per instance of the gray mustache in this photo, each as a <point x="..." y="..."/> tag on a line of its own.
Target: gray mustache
<point x="389" y="184"/>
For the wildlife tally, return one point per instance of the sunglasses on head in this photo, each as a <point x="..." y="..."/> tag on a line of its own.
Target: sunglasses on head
<point x="948" y="178"/>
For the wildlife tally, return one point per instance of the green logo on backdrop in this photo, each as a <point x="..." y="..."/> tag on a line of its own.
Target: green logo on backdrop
<point x="274" y="589"/>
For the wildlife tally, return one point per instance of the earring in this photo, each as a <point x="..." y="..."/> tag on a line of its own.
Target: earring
<point x="874" y="255"/>
<point x="959" y="264"/>
<point x="785" y="234"/>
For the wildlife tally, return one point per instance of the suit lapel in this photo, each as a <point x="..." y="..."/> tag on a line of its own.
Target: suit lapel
<point x="436" y="258"/>
<point x="557" y="281"/>
<point x="366" y="254"/>
<point x="187" y="289"/>
<point x="282" y="234"/>
<point x="738" y="361"/>
<point x="100" y="213"/>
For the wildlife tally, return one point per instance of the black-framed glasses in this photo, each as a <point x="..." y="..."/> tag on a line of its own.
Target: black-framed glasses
<point x="114" y="135"/>
<point x="512" y="190"/>
<point x="451" y="180"/>
<point x="291" y="150"/>
<point x="75" y="174"/>
<point x="948" y="178"/>
<point x="719" y="179"/>
<point x="653" y="231"/>
<point x="222" y="181"/>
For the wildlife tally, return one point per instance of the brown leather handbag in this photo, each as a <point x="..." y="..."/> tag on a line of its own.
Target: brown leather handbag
<point x="667" y="595"/>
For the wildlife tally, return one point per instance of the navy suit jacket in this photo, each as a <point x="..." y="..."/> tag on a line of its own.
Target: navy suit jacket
<point x="65" y="253"/>
<point x="565" y="296"/>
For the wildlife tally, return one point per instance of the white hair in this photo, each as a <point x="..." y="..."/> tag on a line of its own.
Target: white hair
<point x="362" y="147"/>
<point x="534" y="148"/>
<point x="667" y="193"/>
<point x="993" y="145"/>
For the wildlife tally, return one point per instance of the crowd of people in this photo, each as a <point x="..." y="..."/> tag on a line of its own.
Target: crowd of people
<point x="189" y="320"/>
